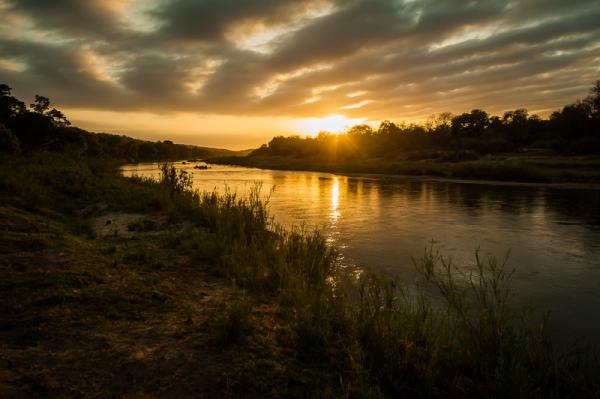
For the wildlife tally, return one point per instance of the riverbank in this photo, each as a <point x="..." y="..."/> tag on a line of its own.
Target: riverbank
<point x="115" y="286"/>
<point x="425" y="178"/>
<point x="120" y="287"/>
<point x="517" y="169"/>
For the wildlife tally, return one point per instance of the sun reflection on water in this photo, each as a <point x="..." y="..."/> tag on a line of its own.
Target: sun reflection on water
<point x="335" y="199"/>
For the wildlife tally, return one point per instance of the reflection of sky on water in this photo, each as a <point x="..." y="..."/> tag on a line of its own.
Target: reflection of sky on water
<point x="553" y="235"/>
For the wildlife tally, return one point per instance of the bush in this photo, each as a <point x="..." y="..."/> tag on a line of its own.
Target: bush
<point x="232" y="322"/>
<point x="455" y="333"/>
<point x="498" y="170"/>
<point x="8" y="141"/>
<point x="142" y="225"/>
<point x="585" y="145"/>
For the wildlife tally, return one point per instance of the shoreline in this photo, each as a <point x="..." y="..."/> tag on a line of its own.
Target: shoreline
<point x="437" y="179"/>
<point x="564" y="185"/>
<point x="157" y="283"/>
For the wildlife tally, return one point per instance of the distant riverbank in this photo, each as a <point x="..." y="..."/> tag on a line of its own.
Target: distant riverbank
<point x="425" y="178"/>
<point x="512" y="169"/>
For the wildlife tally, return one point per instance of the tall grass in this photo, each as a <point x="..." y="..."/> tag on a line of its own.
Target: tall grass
<point x="453" y="335"/>
<point x="233" y="319"/>
<point x="466" y="339"/>
<point x="456" y="334"/>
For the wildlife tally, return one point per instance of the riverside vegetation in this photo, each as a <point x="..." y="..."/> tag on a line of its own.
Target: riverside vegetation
<point x="516" y="146"/>
<point x="130" y="287"/>
<point x="203" y="293"/>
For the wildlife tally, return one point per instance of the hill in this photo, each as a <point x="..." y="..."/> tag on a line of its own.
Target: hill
<point x="41" y="127"/>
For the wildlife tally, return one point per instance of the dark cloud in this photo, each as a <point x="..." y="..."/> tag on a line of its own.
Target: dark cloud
<point x="63" y="71"/>
<point x="208" y="20"/>
<point x="157" y="77"/>
<point x="340" y="34"/>
<point x="96" y="18"/>
<point x="302" y="58"/>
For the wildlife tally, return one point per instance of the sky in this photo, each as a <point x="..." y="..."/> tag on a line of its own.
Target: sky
<point x="234" y="73"/>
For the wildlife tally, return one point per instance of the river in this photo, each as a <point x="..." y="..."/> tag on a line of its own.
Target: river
<point x="551" y="235"/>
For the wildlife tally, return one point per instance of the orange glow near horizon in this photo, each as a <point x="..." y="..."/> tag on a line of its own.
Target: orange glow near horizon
<point x="234" y="74"/>
<point x="332" y="123"/>
<point x="224" y="131"/>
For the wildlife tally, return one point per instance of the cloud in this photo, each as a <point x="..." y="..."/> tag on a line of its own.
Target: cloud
<point x="90" y="18"/>
<point x="302" y="58"/>
<point x="205" y="20"/>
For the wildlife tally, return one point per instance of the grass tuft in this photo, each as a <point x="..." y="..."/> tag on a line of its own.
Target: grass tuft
<point x="232" y="322"/>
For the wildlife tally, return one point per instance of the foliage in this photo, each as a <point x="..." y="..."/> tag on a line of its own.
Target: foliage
<point x="43" y="127"/>
<point x="471" y="145"/>
<point x="175" y="181"/>
<point x="8" y="141"/>
<point x="232" y="323"/>
<point x="474" y="131"/>
<point x="454" y="334"/>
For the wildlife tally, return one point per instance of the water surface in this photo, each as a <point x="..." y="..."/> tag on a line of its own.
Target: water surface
<point x="553" y="235"/>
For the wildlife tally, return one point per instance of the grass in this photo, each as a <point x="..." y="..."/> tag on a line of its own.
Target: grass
<point x="474" y="341"/>
<point x="217" y="299"/>
<point x="232" y="322"/>
<point x="508" y="167"/>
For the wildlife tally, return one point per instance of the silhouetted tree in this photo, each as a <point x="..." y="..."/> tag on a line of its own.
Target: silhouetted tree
<point x="8" y="141"/>
<point x="9" y="105"/>
<point x="573" y="121"/>
<point x="41" y="104"/>
<point x="58" y="118"/>
<point x="33" y="130"/>
<point x="470" y="124"/>
<point x="573" y="129"/>
<point x="594" y="100"/>
<point x="515" y="126"/>
<point x="360" y="131"/>
<point x="388" y="127"/>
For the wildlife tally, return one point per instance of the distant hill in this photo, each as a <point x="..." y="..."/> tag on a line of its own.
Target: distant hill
<point x="39" y="127"/>
<point x="223" y="152"/>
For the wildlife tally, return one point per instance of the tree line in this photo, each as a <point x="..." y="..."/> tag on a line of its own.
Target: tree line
<point x="574" y="129"/>
<point x="39" y="126"/>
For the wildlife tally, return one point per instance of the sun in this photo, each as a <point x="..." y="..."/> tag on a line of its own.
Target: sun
<point x="331" y="123"/>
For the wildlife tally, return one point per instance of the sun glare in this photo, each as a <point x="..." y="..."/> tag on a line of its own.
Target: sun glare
<point x="331" y="123"/>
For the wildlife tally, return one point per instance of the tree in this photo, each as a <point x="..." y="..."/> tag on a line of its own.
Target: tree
<point x="58" y="118"/>
<point x="594" y="100"/>
<point x="9" y="105"/>
<point x="472" y="124"/>
<point x="516" y="117"/>
<point x="8" y="141"/>
<point x="5" y="90"/>
<point x="360" y="131"/>
<point x="516" y="126"/>
<point x="388" y="127"/>
<point x="41" y="104"/>
<point x="574" y="121"/>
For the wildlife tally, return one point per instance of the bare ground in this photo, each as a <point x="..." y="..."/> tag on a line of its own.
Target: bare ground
<point x="76" y="321"/>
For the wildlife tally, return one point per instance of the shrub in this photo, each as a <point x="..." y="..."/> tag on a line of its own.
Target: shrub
<point x="455" y="333"/>
<point x="8" y="141"/>
<point x="232" y="321"/>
